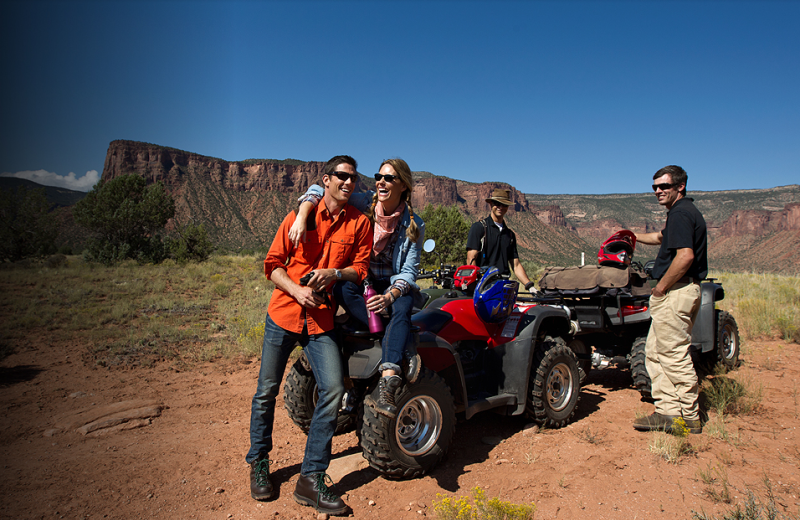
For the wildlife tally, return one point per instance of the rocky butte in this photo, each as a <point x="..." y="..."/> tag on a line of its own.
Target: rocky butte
<point x="243" y="202"/>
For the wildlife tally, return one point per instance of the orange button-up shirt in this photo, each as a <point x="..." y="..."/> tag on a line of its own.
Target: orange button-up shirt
<point x="332" y="242"/>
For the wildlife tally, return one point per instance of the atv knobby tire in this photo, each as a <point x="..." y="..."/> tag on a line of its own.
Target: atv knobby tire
<point x="726" y="344"/>
<point x="555" y="384"/>
<point x="300" y="398"/>
<point x="641" y="379"/>
<point x="415" y="441"/>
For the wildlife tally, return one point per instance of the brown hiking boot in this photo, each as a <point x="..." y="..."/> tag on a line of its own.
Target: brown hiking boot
<point x="655" y="422"/>
<point x="312" y="490"/>
<point x="260" y="485"/>
<point x="384" y="404"/>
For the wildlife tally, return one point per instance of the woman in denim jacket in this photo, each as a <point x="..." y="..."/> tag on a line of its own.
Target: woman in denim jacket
<point x="398" y="235"/>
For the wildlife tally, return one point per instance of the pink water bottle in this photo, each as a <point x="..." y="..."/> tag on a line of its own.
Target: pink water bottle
<point x="375" y="321"/>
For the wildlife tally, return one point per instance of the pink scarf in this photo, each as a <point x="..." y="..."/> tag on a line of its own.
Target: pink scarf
<point x="385" y="226"/>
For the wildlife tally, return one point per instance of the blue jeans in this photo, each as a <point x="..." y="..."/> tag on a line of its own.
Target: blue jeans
<point x="396" y="336"/>
<point x="326" y="363"/>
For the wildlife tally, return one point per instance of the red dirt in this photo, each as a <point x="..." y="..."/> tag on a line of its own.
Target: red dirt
<point x="189" y="461"/>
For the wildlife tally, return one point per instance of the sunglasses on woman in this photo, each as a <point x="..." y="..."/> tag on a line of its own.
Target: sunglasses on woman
<point x="387" y="177"/>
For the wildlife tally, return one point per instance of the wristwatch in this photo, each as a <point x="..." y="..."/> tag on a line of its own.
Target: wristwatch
<point x="338" y="274"/>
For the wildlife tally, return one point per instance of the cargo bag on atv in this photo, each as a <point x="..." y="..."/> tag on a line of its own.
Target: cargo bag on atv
<point x="594" y="280"/>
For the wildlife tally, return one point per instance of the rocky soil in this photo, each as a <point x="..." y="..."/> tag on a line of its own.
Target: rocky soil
<point x="78" y="441"/>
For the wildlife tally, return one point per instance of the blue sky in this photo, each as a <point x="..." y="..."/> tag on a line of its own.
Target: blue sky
<point x="581" y="97"/>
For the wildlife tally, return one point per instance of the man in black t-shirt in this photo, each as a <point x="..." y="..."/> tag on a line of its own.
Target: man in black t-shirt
<point x="674" y="303"/>
<point x="491" y="242"/>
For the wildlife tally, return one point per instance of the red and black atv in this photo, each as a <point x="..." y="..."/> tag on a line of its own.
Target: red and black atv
<point x="481" y="352"/>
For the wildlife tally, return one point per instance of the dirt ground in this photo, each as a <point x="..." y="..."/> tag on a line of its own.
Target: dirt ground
<point x="188" y="462"/>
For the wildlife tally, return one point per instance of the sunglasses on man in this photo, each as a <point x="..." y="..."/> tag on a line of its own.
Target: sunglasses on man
<point x="346" y="175"/>
<point x="664" y="186"/>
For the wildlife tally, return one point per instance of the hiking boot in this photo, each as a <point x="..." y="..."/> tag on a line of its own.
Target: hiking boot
<point x="413" y="369"/>
<point x="694" y="425"/>
<point x="655" y="421"/>
<point x="260" y="484"/>
<point x="385" y="405"/>
<point x="312" y="490"/>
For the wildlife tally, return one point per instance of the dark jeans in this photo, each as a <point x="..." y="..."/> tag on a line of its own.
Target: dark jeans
<point x="326" y="363"/>
<point x="396" y="336"/>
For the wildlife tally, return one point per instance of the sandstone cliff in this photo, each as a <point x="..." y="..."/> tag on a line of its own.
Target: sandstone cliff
<point x="243" y="202"/>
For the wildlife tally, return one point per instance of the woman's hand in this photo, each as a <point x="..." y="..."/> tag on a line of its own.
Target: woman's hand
<point x="378" y="303"/>
<point x="297" y="233"/>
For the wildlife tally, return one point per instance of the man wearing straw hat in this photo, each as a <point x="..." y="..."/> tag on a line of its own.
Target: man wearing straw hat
<point x="491" y="242"/>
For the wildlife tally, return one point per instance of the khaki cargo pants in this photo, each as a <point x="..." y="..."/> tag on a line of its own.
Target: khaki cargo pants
<point x="668" y="361"/>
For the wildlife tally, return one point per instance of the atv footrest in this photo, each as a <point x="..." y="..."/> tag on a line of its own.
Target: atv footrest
<point x="488" y="403"/>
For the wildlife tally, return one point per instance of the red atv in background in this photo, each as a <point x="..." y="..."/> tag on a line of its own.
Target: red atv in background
<point x="479" y="352"/>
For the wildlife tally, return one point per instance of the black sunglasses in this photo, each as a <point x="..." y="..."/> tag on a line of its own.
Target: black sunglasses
<point x="344" y="176"/>
<point x="388" y="178"/>
<point x="664" y="186"/>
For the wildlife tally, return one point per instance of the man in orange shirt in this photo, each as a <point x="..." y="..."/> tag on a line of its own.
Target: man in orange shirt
<point x="336" y="247"/>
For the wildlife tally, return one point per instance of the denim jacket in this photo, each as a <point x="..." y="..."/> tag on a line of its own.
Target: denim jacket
<point x="406" y="254"/>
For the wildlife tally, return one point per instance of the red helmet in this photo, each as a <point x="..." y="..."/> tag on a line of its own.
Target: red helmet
<point x="618" y="249"/>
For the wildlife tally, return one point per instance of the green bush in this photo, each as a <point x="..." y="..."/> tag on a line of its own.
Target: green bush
<point x="125" y="216"/>
<point x="192" y="244"/>
<point x="27" y="229"/>
<point x="448" y="227"/>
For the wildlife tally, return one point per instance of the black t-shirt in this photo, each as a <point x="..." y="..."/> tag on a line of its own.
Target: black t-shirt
<point x="500" y="247"/>
<point x="685" y="227"/>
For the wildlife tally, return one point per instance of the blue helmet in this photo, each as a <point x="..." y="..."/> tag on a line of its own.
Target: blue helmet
<point x="494" y="297"/>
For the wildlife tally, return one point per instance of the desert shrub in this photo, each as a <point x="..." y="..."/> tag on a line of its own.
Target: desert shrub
<point x="55" y="261"/>
<point x="714" y="477"/>
<point x="192" y="244"/>
<point x="481" y="508"/>
<point x="672" y="446"/>
<point x="27" y="229"/>
<point x="125" y="216"/>
<point x="753" y="508"/>
<point x="726" y="395"/>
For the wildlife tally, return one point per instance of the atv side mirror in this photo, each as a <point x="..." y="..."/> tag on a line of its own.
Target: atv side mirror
<point x="429" y="245"/>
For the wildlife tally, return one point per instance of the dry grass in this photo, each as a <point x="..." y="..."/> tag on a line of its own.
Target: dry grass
<point x="763" y="304"/>
<point x="670" y="447"/>
<point x="134" y="314"/>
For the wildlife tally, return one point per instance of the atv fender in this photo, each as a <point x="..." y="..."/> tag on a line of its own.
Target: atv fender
<point x="518" y="355"/>
<point x="439" y="356"/>
<point x="705" y="326"/>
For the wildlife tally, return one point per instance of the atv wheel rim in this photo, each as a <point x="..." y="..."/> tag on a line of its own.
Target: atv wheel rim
<point x="559" y="387"/>
<point x="728" y="340"/>
<point x="419" y="425"/>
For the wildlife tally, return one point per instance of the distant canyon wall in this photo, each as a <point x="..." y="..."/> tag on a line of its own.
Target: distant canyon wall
<point x="172" y="166"/>
<point x="243" y="202"/>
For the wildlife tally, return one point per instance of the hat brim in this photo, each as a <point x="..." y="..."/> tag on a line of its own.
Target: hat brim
<point x="504" y="202"/>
